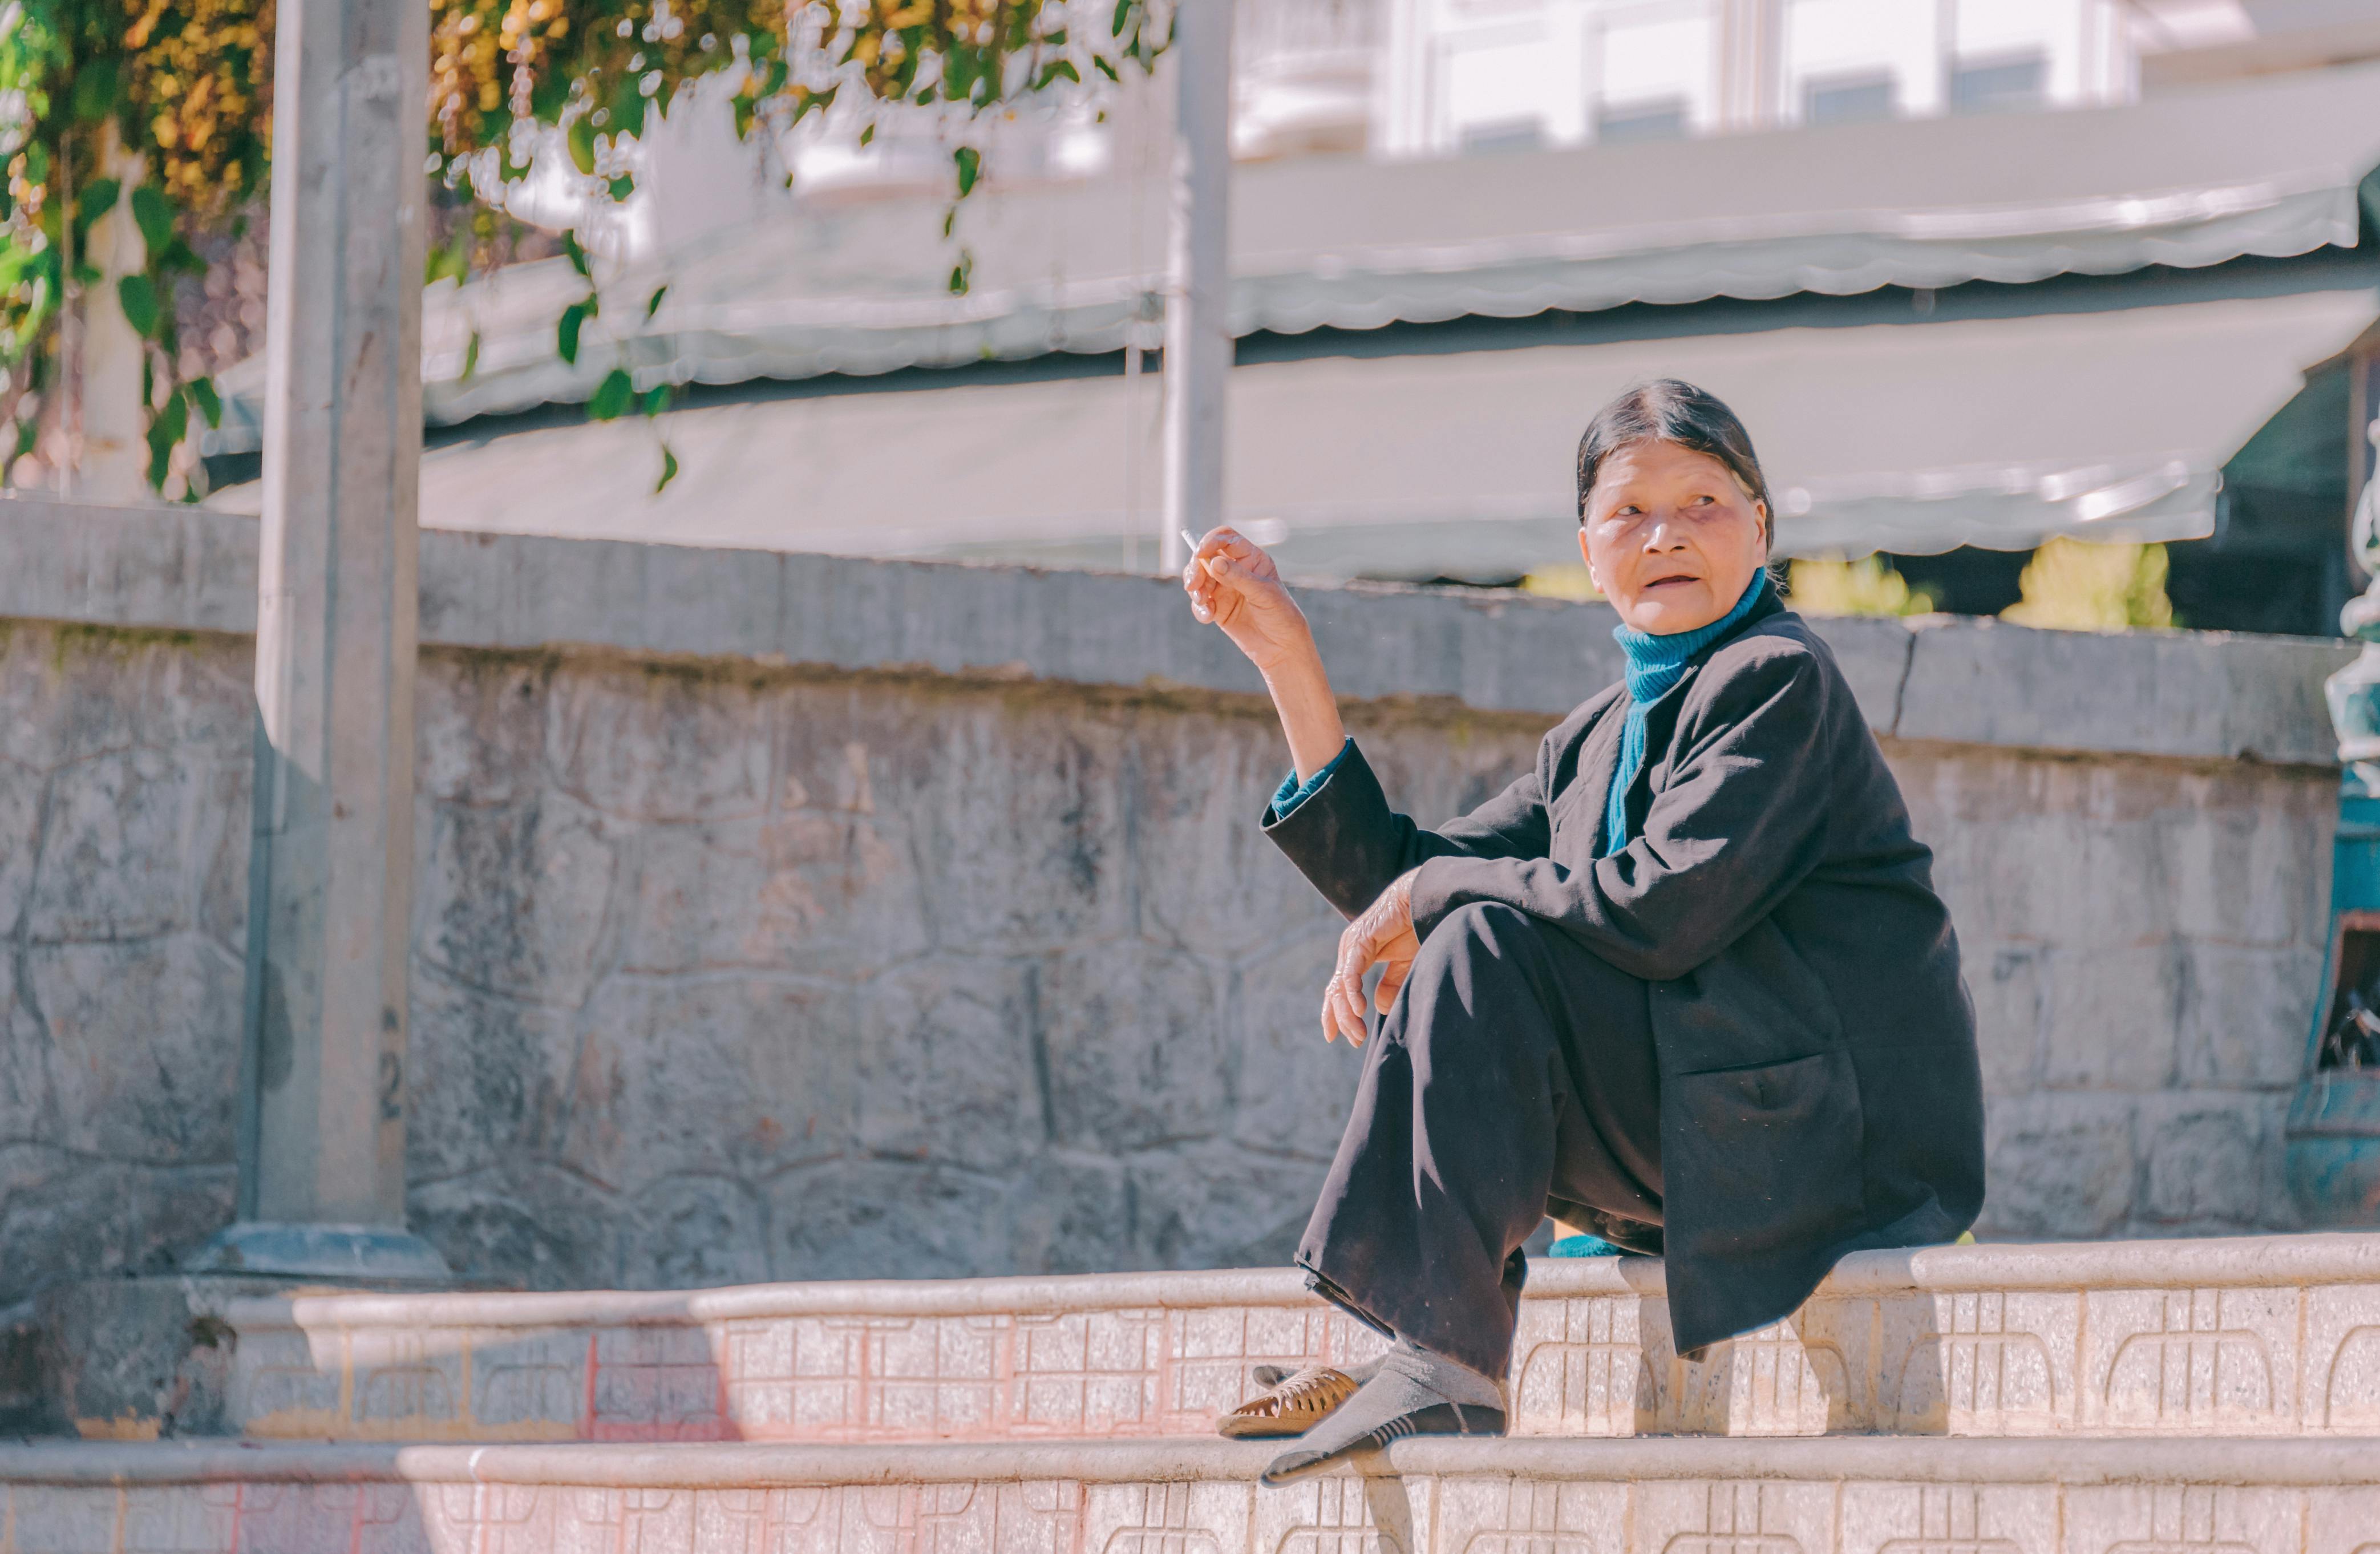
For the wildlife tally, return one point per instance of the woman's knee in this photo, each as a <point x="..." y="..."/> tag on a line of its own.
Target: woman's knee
<point x="1479" y="984"/>
<point x="1483" y="923"/>
<point x="1479" y="940"/>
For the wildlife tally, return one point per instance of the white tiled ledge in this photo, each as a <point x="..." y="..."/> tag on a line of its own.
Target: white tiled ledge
<point x="1423" y="1496"/>
<point x="2263" y="1335"/>
<point x="737" y="1464"/>
<point x="2229" y="1262"/>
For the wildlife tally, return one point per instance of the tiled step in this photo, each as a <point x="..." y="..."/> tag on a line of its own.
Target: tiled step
<point x="1686" y="1496"/>
<point x="2266" y="1336"/>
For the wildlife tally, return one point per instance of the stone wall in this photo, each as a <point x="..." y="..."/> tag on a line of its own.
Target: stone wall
<point x="729" y="975"/>
<point x="765" y="947"/>
<point x="123" y="780"/>
<point x="2144" y="944"/>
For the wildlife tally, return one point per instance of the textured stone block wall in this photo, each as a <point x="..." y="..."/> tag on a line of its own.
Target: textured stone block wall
<point x="124" y="818"/>
<point x="2144" y="944"/>
<point x="747" y="975"/>
<point x="726" y="973"/>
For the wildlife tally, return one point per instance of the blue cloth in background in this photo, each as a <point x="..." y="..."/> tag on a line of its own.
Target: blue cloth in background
<point x="1291" y="793"/>
<point x="1656" y="664"/>
<point x="1584" y="1246"/>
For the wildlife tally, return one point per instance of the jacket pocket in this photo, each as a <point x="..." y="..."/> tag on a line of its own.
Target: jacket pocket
<point x="1755" y="1005"/>
<point x="1764" y="1160"/>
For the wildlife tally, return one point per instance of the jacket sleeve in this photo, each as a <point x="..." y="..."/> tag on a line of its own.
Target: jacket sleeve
<point x="1293" y="793"/>
<point x="1742" y="822"/>
<point x="1347" y="840"/>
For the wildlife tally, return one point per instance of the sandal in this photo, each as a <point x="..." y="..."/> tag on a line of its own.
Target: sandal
<point x="1291" y="1406"/>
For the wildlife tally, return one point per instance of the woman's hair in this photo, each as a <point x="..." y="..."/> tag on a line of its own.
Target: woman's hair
<point x="1672" y="411"/>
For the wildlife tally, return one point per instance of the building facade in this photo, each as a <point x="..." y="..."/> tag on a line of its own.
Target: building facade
<point x="1462" y="76"/>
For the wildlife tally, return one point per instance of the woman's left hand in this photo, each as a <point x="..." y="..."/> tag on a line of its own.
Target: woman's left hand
<point x="1382" y="935"/>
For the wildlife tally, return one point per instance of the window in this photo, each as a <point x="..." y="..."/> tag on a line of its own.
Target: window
<point x="1651" y="72"/>
<point x="1985" y="88"/>
<point x="1500" y="93"/>
<point x="1626" y="122"/>
<point x="1503" y="134"/>
<point x="1849" y="100"/>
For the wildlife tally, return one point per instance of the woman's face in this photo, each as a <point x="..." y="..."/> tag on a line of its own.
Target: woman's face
<point x="1671" y="538"/>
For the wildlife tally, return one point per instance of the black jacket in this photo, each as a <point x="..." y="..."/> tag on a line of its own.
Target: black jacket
<point x="1820" y="1092"/>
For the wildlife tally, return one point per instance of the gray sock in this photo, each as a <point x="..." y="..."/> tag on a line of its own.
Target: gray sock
<point x="1413" y="1393"/>
<point x="1455" y="1383"/>
<point x="1270" y="1376"/>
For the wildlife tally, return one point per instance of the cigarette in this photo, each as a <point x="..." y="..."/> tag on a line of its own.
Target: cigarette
<point x="1198" y="606"/>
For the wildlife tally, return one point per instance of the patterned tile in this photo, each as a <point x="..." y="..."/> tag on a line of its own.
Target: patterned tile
<point x="2199" y="1362"/>
<point x="2196" y="1358"/>
<point x="1478" y="1510"/>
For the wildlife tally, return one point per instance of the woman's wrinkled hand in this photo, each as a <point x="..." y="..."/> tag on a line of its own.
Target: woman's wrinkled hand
<point x="1382" y="935"/>
<point x="1233" y="585"/>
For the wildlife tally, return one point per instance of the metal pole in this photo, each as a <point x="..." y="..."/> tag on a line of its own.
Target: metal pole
<point x="1132" y="355"/>
<point x="1198" y="301"/>
<point x="330" y="867"/>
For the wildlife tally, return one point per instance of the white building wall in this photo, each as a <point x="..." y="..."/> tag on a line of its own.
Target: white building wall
<point x="1644" y="58"/>
<point x="1840" y="49"/>
<point x="1459" y="75"/>
<point x="1432" y="77"/>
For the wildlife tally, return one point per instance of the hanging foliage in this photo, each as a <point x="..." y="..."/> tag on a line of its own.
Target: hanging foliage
<point x="171" y="99"/>
<point x="154" y="110"/>
<point x="595" y="70"/>
<point x="507" y="76"/>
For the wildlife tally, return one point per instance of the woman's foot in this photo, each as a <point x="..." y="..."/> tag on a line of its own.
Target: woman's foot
<point x="1291" y="1404"/>
<point x="1413" y="1393"/>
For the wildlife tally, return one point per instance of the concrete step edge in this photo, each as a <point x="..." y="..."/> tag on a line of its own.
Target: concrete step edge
<point x="2229" y="1262"/>
<point x="2340" y="1462"/>
<point x="1420" y="1497"/>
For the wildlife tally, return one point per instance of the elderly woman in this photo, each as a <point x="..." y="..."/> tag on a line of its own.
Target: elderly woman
<point x="1685" y="983"/>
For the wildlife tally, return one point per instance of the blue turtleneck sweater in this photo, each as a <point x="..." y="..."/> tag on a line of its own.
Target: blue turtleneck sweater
<point x="1655" y="665"/>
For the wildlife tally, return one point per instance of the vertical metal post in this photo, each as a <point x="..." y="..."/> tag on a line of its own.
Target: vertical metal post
<point x="1198" y="301"/>
<point x="322" y="1166"/>
<point x="1748" y="65"/>
<point x="1132" y="358"/>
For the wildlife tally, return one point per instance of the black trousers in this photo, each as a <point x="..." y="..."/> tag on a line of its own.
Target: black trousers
<point x="1514" y="1077"/>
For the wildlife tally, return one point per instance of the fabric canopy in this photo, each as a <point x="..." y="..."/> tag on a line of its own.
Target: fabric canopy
<point x="2270" y="166"/>
<point x="1908" y="437"/>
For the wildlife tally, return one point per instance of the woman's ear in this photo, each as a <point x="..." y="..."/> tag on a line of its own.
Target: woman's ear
<point x="1588" y="559"/>
<point x="1767" y="534"/>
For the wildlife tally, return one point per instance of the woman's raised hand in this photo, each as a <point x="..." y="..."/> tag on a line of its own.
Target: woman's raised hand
<point x="1232" y="584"/>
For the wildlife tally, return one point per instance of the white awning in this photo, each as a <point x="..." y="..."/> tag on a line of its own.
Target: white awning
<point x="1910" y="437"/>
<point x="2270" y="166"/>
